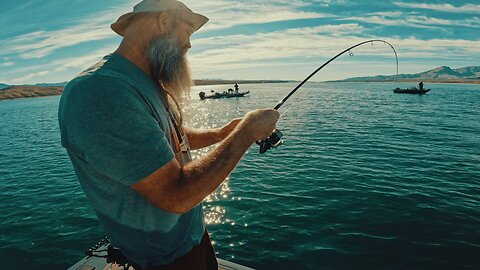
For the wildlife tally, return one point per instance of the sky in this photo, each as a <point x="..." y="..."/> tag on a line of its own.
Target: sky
<point x="52" y="41"/>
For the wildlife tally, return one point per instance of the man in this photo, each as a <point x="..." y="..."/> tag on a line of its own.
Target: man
<point x="122" y="128"/>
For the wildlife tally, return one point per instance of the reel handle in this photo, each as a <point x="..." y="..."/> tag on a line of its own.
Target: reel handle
<point x="274" y="141"/>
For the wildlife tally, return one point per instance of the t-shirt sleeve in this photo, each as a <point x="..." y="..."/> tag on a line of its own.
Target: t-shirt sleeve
<point x="108" y="124"/>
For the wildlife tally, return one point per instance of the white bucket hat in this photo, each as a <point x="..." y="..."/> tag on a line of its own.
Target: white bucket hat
<point x="196" y="20"/>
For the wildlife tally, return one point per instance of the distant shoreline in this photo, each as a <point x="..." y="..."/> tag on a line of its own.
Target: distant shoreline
<point x="232" y="82"/>
<point x="29" y="91"/>
<point x="414" y="81"/>
<point x="21" y="91"/>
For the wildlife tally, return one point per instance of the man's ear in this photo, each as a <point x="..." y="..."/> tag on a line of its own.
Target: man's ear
<point x="163" y="20"/>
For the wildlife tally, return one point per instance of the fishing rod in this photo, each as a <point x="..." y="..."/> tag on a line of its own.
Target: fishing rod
<point x="275" y="139"/>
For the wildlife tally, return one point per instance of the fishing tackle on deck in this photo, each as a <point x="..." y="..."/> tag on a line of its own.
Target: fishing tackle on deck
<point x="275" y="139"/>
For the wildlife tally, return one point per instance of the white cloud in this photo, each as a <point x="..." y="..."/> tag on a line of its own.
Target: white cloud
<point x="61" y="39"/>
<point x="314" y="44"/>
<point x="223" y="14"/>
<point x="413" y="20"/>
<point x="467" y="8"/>
<point x="81" y="62"/>
<point x="43" y="43"/>
<point x="7" y="64"/>
<point x="242" y="51"/>
<point x="245" y="54"/>
<point x="226" y="14"/>
<point x="69" y="67"/>
<point x="31" y="76"/>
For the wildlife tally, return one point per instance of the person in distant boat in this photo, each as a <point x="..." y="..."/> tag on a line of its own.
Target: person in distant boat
<point x="236" y="88"/>
<point x="421" y="85"/>
<point x="122" y="126"/>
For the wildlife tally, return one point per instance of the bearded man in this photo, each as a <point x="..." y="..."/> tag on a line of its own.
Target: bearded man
<point x="121" y="125"/>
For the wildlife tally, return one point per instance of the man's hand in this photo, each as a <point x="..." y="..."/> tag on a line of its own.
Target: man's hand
<point x="260" y="123"/>
<point x="255" y="123"/>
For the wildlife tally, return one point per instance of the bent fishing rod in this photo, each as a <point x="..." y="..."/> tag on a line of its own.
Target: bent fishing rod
<point x="275" y="139"/>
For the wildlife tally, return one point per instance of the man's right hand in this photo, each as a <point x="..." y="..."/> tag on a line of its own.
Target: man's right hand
<point x="260" y="123"/>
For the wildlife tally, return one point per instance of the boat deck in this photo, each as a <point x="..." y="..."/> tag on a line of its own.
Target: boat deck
<point x="90" y="265"/>
<point x="226" y="265"/>
<point x="100" y="262"/>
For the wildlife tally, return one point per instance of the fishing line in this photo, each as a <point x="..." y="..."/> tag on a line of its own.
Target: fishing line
<point x="275" y="139"/>
<point x="297" y="97"/>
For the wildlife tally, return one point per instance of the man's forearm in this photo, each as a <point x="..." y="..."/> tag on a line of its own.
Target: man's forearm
<point x="177" y="189"/>
<point x="200" y="178"/>
<point x="200" y="138"/>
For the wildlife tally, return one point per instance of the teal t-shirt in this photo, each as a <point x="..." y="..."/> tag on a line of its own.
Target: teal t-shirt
<point x="116" y="130"/>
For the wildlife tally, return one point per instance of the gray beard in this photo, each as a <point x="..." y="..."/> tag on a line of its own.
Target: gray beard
<point x="169" y="66"/>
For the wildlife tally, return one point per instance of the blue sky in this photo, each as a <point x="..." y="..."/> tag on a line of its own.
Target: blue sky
<point x="52" y="41"/>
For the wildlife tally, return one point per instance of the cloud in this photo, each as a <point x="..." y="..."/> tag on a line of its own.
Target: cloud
<point x="243" y="53"/>
<point x="274" y="45"/>
<point x="81" y="62"/>
<point x="227" y="14"/>
<point x="467" y="8"/>
<point x="412" y="20"/>
<point x="61" y="39"/>
<point x="39" y="44"/>
<point x="286" y="46"/>
<point x="31" y="76"/>
<point x="7" y="64"/>
<point x="315" y="44"/>
<point x="69" y="66"/>
<point x="223" y="14"/>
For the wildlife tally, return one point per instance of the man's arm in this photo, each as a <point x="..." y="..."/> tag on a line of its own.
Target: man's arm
<point x="200" y="138"/>
<point x="178" y="189"/>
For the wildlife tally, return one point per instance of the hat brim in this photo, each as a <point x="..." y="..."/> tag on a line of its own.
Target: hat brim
<point x="198" y="21"/>
<point x="119" y="27"/>
<point x="121" y="24"/>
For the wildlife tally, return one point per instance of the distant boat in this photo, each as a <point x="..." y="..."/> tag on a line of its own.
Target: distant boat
<point x="412" y="90"/>
<point x="226" y="94"/>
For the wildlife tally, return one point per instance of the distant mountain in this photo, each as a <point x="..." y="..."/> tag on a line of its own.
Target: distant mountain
<point x="51" y="84"/>
<point x="3" y="86"/>
<point x="24" y="91"/>
<point x="473" y="71"/>
<point x="440" y="74"/>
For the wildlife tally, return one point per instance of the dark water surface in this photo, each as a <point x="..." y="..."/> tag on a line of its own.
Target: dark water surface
<point x="366" y="179"/>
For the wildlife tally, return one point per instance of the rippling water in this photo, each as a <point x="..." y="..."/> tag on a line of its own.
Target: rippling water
<point x="366" y="179"/>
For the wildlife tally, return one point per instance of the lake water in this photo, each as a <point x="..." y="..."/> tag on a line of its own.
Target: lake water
<point x="366" y="179"/>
